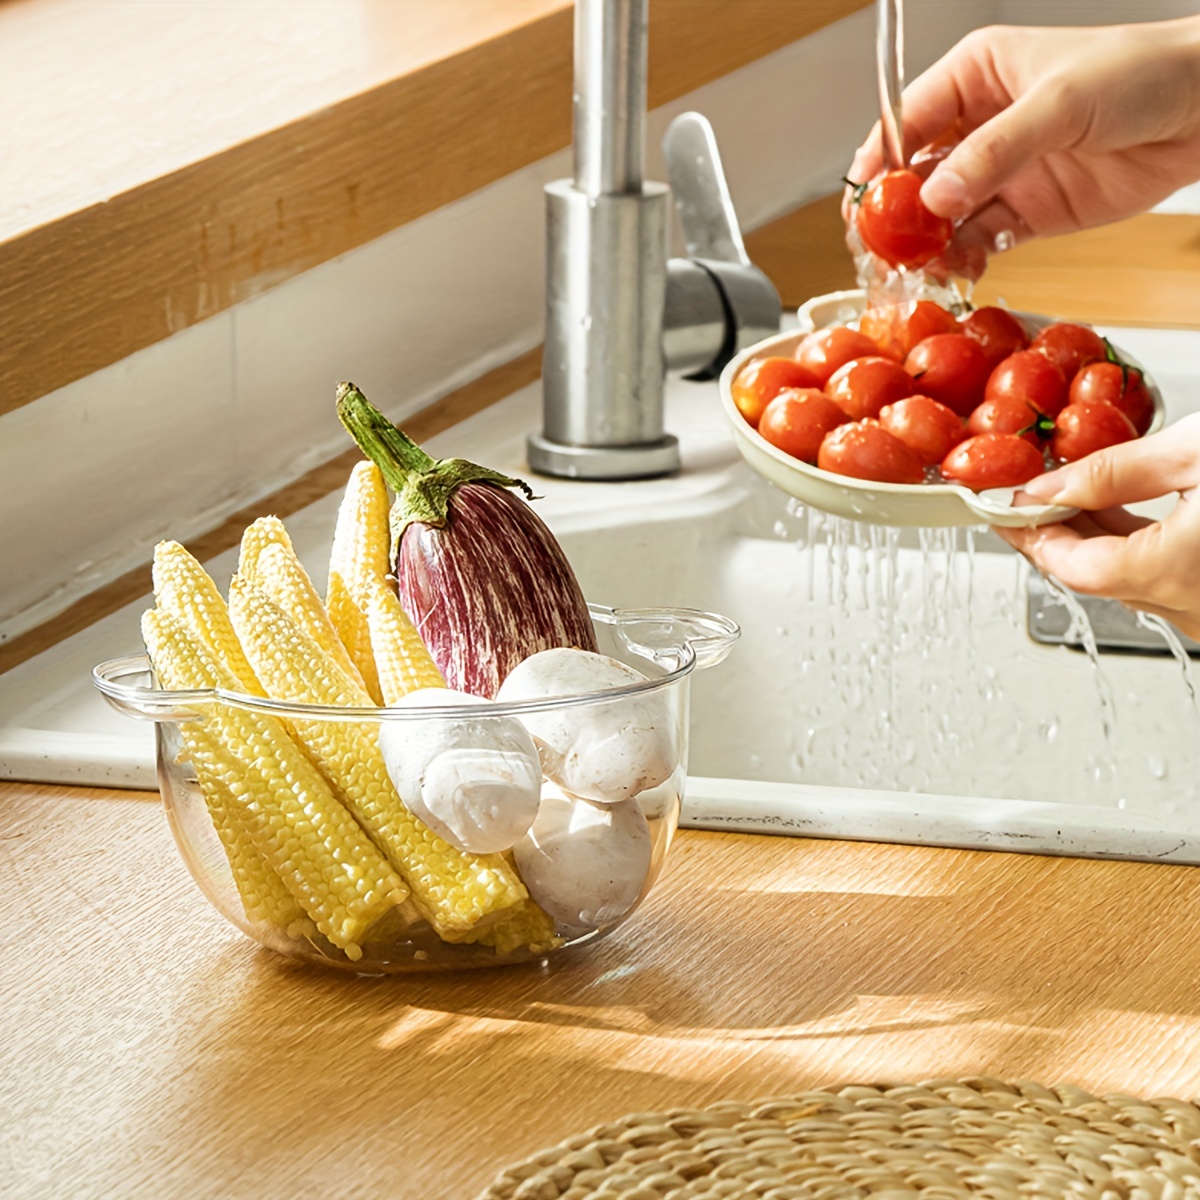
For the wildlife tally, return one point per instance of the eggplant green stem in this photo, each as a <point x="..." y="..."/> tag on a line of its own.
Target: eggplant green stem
<point x="422" y="484"/>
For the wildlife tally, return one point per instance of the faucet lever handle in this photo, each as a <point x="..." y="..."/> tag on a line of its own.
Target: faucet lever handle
<point x="702" y="200"/>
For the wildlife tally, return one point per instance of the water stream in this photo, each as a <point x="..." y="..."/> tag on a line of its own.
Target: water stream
<point x="913" y="670"/>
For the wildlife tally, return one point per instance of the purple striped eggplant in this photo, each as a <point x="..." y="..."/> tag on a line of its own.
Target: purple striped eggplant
<point x="479" y="573"/>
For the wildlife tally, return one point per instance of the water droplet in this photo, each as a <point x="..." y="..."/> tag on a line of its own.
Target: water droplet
<point x="1005" y="240"/>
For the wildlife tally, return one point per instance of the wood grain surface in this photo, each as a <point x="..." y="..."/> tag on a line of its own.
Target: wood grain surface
<point x="150" y="1050"/>
<point x="1143" y="271"/>
<point x="434" y="100"/>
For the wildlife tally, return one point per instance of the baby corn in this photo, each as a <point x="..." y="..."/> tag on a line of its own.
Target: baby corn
<point x="299" y="827"/>
<point x="183" y="589"/>
<point x="456" y="892"/>
<point x="263" y="893"/>
<point x="528" y="926"/>
<point x="401" y="658"/>
<point x="256" y="537"/>
<point x="360" y="556"/>
<point x="282" y="576"/>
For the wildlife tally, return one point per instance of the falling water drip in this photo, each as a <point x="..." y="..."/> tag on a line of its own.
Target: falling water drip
<point x="1167" y="632"/>
<point x="1080" y="630"/>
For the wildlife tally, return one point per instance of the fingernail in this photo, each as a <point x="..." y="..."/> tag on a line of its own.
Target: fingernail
<point x="1042" y="487"/>
<point x="945" y="194"/>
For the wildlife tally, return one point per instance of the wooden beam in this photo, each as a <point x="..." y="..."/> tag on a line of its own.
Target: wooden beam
<point x="88" y="288"/>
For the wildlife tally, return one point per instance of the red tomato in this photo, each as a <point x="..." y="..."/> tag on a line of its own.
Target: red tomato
<point x="896" y="226"/>
<point x="1086" y="426"/>
<point x="865" y="385"/>
<point x="952" y="368"/>
<point x="1069" y="347"/>
<point x="761" y="380"/>
<point x="897" y="328"/>
<point x="824" y="350"/>
<point x="996" y="330"/>
<point x="992" y="460"/>
<point x="1008" y="414"/>
<point x="1116" y="384"/>
<point x="866" y="450"/>
<point x="927" y="428"/>
<point x="1031" y="378"/>
<point x="797" y="421"/>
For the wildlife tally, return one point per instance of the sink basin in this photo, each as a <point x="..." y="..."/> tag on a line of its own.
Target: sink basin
<point x="885" y="686"/>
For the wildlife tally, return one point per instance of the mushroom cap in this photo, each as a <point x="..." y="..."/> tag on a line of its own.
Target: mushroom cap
<point x="585" y="864"/>
<point x="475" y="780"/>
<point x="606" y="752"/>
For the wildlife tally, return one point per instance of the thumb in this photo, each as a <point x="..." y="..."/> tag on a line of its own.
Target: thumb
<point x="980" y="165"/>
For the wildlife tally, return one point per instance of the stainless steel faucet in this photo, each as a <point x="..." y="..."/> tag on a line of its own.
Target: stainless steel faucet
<point x="618" y="313"/>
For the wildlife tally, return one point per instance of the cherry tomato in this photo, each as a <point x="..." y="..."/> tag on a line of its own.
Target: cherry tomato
<point x="865" y="385"/>
<point x="897" y="328"/>
<point x="1010" y="414"/>
<point x="1121" y="386"/>
<point x="1086" y="426"/>
<point x="824" y="350"/>
<point x="896" y="226"/>
<point x="952" y="368"/>
<point x="996" y="330"/>
<point x="1069" y="347"/>
<point x="865" y="450"/>
<point x="1031" y="378"/>
<point x="992" y="460"/>
<point x="924" y="426"/>
<point x="797" y="421"/>
<point x="927" y="428"/>
<point x="763" y="379"/>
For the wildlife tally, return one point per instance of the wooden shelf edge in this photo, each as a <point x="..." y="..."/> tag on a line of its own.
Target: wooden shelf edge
<point x="83" y="292"/>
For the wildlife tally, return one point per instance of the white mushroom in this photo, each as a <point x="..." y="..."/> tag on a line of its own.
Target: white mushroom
<point x="473" y="779"/>
<point x="605" y="752"/>
<point x="585" y="864"/>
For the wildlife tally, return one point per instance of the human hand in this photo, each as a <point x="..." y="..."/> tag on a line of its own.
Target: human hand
<point x="1061" y="129"/>
<point x="1107" y="551"/>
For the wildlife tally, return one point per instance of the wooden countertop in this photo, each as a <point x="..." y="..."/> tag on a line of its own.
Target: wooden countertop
<point x="149" y="1050"/>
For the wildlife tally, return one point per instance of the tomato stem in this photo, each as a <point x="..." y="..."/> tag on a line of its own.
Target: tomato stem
<point x="1111" y="354"/>
<point x="857" y="189"/>
<point x="1041" y="425"/>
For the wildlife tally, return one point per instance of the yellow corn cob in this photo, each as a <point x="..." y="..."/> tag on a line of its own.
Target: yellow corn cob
<point x="301" y="829"/>
<point x="402" y="659"/>
<point x="263" y="893"/>
<point x="256" y="537"/>
<point x="360" y="556"/>
<point x="527" y="925"/>
<point x="454" y="891"/>
<point x="282" y="576"/>
<point x="183" y="589"/>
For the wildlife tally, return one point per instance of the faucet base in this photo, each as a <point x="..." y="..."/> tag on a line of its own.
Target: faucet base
<point x="641" y="461"/>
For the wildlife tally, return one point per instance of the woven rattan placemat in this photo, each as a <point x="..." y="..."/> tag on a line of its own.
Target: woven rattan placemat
<point x="938" y="1140"/>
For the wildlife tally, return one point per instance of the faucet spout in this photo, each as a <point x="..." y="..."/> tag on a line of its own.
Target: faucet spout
<point x="610" y="96"/>
<point x="606" y="269"/>
<point x="618" y="315"/>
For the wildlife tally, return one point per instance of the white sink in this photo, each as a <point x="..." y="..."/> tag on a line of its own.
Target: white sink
<point x="885" y="686"/>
